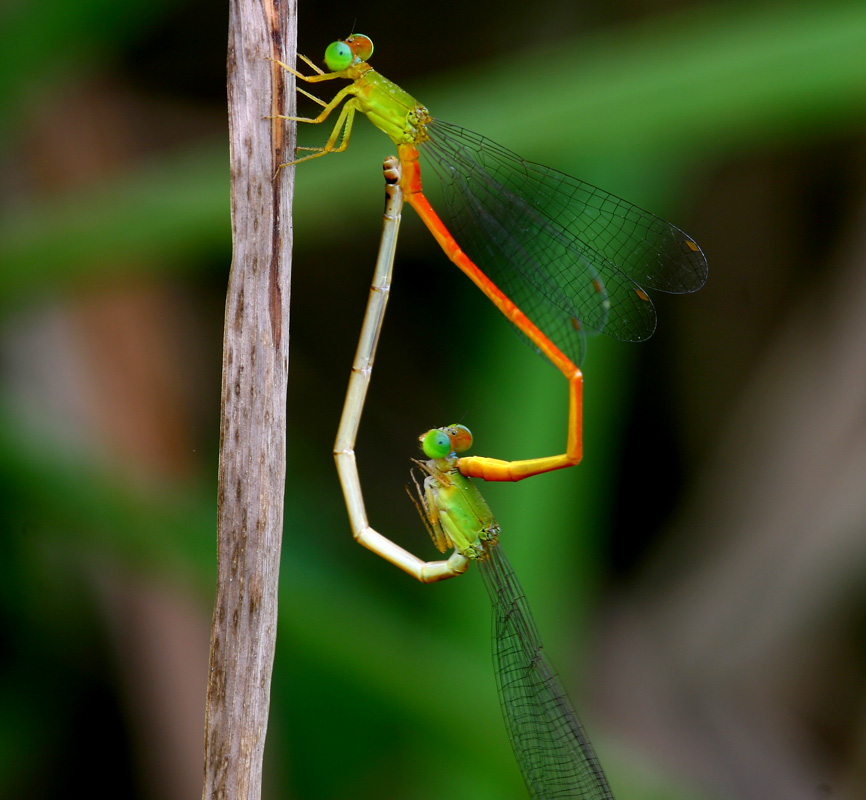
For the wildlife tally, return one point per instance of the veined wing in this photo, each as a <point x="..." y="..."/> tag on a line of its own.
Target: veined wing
<point x="551" y="747"/>
<point x="589" y="253"/>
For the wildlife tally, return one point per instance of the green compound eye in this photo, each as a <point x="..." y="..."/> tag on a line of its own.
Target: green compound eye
<point x="338" y="56"/>
<point x="436" y="443"/>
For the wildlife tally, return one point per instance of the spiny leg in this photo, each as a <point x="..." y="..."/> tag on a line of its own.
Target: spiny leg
<point x="311" y="64"/>
<point x="320" y="76"/>
<point x="311" y="96"/>
<point x="326" y="111"/>
<point x="344" y="124"/>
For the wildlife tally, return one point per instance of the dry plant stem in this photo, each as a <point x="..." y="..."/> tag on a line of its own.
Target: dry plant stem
<point x="253" y="422"/>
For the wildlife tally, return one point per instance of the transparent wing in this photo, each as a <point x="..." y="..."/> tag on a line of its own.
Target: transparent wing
<point x="551" y="747"/>
<point x="574" y="258"/>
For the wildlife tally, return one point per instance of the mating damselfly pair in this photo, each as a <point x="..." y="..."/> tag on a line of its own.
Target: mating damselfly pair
<point x="561" y="260"/>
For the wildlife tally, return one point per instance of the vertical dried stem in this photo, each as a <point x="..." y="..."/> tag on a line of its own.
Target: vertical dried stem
<point x="255" y="371"/>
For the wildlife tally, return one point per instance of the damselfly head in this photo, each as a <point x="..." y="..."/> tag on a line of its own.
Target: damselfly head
<point x="343" y="53"/>
<point x="442" y="442"/>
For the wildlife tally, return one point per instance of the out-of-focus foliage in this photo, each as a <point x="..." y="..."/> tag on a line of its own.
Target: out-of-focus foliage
<point x="742" y="123"/>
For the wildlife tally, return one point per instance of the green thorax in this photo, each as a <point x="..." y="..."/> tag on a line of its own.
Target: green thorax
<point x="388" y="107"/>
<point x="456" y="510"/>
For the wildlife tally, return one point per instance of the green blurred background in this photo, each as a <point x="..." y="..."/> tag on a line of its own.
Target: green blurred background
<point x="698" y="579"/>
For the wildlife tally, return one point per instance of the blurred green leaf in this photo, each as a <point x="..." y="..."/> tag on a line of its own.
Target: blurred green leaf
<point x="41" y="41"/>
